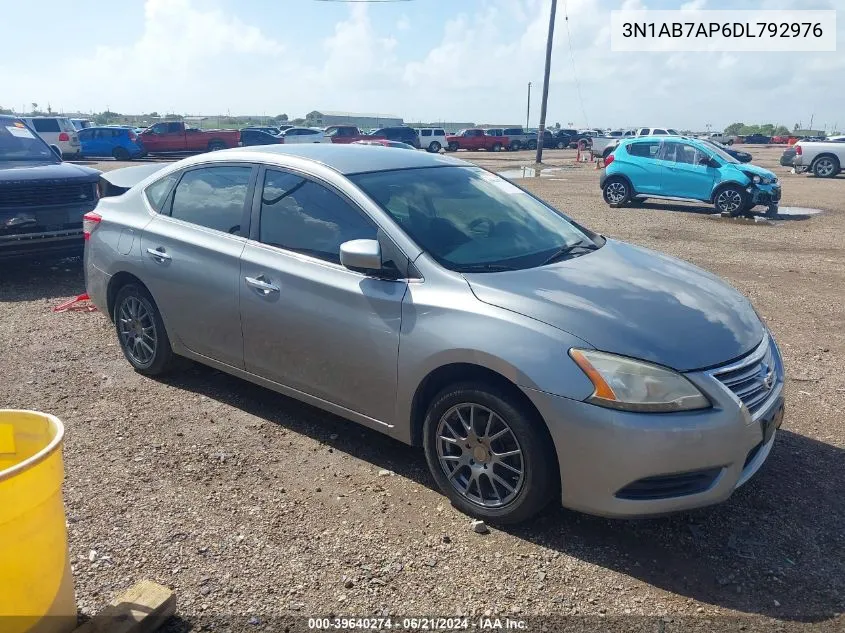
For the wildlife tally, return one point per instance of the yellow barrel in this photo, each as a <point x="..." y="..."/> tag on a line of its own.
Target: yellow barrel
<point x="36" y="585"/>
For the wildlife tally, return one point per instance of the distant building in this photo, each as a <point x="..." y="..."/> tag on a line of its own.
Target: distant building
<point x="363" y="120"/>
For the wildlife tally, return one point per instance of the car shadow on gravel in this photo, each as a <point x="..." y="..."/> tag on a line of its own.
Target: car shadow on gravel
<point x="37" y="278"/>
<point x="776" y="548"/>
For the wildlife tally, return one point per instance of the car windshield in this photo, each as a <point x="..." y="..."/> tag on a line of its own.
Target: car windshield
<point x="18" y="142"/>
<point x="470" y="220"/>
<point x="722" y="154"/>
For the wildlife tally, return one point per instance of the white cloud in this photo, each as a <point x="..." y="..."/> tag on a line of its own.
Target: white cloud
<point x="189" y="58"/>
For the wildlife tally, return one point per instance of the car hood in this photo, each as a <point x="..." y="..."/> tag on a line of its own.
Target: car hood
<point x="632" y="301"/>
<point x="28" y="170"/>
<point x="754" y="169"/>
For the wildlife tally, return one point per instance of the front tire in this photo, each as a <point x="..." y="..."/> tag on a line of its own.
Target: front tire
<point x="489" y="453"/>
<point x="140" y="331"/>
<point x="617" y="192"/>
<point x="730" y="201"/>
<point x="561" y="145"/>
<point x="434" y="147"/>
<point x="515" y="146"/>
<point x="825" y="167"/>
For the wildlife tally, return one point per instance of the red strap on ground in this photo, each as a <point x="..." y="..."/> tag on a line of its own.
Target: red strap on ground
<point x="70" y="306"/>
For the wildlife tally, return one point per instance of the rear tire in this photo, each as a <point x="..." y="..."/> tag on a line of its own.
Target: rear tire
<point x="216" y="146"/>
<point x="140" y="331"/>
<point x="730" y="201"/>
<point x="617" y="192"/>
<point x="825" y="167"/>
<point x="514" y="492"/>
<point x="434" y="147"/>
<point x="532" y="145"/>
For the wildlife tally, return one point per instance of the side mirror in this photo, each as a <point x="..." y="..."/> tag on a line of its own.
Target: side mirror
<point x="57" y="151"/>
<point x="361" y="255"/>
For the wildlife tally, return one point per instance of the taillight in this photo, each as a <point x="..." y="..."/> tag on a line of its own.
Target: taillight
<point x="798" y="150"/>
<point x="90" y="221"/>
<point x="132" y="136"/>
<point x="63" y="136"/>
<point x="608" y="160"/>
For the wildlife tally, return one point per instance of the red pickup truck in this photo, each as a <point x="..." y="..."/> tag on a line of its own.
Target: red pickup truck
<point x="174" y="136"/>
<point x="474" y="138"/>
<point x="347" y="134"/>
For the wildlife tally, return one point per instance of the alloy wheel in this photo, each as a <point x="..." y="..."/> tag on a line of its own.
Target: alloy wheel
<point x="616" y="192"/>
<point x="480" y="455"/>
<point x="137" y="330"/>
<point x="729" y="201"/>
<point x="824" y="167"/>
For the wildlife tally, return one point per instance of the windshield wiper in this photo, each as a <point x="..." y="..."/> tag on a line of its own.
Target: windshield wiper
<point x="568" y="249"/>
<point x="486" y="268"/>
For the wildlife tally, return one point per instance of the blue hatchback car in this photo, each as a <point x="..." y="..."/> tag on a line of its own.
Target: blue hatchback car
<point x="122" y="143"/>
<point x="680" y="168"/>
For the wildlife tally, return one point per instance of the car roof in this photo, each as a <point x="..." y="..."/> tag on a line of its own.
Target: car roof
<point x="349" y="159"/>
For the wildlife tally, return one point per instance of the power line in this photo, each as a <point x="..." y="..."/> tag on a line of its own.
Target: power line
<point x="572" y="60"/>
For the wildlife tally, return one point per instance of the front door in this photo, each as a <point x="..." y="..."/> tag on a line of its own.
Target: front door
<point x="682" y="174"/>
<point x="192" y="256"/>
<point x="309" y="323"/>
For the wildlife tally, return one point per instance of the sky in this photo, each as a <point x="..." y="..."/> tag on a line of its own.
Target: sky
<point x="429" y="60"/>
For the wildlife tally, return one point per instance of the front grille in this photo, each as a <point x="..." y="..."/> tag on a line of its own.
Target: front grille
<point x="668" y="486"/>
<point x="752" y="378"/>
<point x="43" y="194"/>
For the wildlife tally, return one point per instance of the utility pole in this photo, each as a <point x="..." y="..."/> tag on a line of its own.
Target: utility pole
<point x="528" y="109"/>
<point x="544" y="103"/>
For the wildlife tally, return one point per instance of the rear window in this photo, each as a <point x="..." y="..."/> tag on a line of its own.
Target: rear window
<point x="644" y="150"/>
<point x="46" y="125"/>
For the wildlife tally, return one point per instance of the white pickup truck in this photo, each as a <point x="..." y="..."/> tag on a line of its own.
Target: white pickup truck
<point x="823" y="158"/>
<point x="724" y="139"/>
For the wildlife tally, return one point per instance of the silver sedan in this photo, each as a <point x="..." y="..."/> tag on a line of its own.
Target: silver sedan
<point x="438" y="303"/>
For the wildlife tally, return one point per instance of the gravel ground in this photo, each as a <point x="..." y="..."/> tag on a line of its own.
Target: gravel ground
<point x="260" y="511"/>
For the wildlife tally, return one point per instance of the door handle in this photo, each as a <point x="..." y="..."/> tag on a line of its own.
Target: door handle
<point x="261" y="285"/>
<point x="159" y="255"/>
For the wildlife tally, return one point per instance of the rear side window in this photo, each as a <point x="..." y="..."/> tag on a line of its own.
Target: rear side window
<point x="212" y="197"/>
<point x="644" y="150"/>
<point x="301" y="216"/>
<point x="46" y="125"/>
<point x="157" y="192"/>
<point x="439" y="133"/>
<point x="425" y="132"/>
<point x="658" y="131"/>
<point x="174" y="128"/>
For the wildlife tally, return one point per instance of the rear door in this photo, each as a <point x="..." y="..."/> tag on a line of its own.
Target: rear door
<point x="309" y="323"/>
<point x="192" y="255"/>
<point x="642" y="165"/>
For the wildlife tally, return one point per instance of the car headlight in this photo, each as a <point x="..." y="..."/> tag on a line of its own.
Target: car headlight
<point x="634" y="385"/>
<point x="753" y="177"/>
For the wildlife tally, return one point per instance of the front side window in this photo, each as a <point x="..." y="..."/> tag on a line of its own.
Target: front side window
<point x="470" y="220"/>
<point x="212" y="197"/>
<point x="302" y="216"/>
<point x="159" y="128"/>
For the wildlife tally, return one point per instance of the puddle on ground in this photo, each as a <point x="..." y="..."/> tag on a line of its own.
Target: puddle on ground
<point x="783" y="214"/>
<point x="515" y="173"/>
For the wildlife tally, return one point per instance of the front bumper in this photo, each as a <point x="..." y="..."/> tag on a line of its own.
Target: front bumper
<point x="624" y="464"/>
<point x="767" y="195"/>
